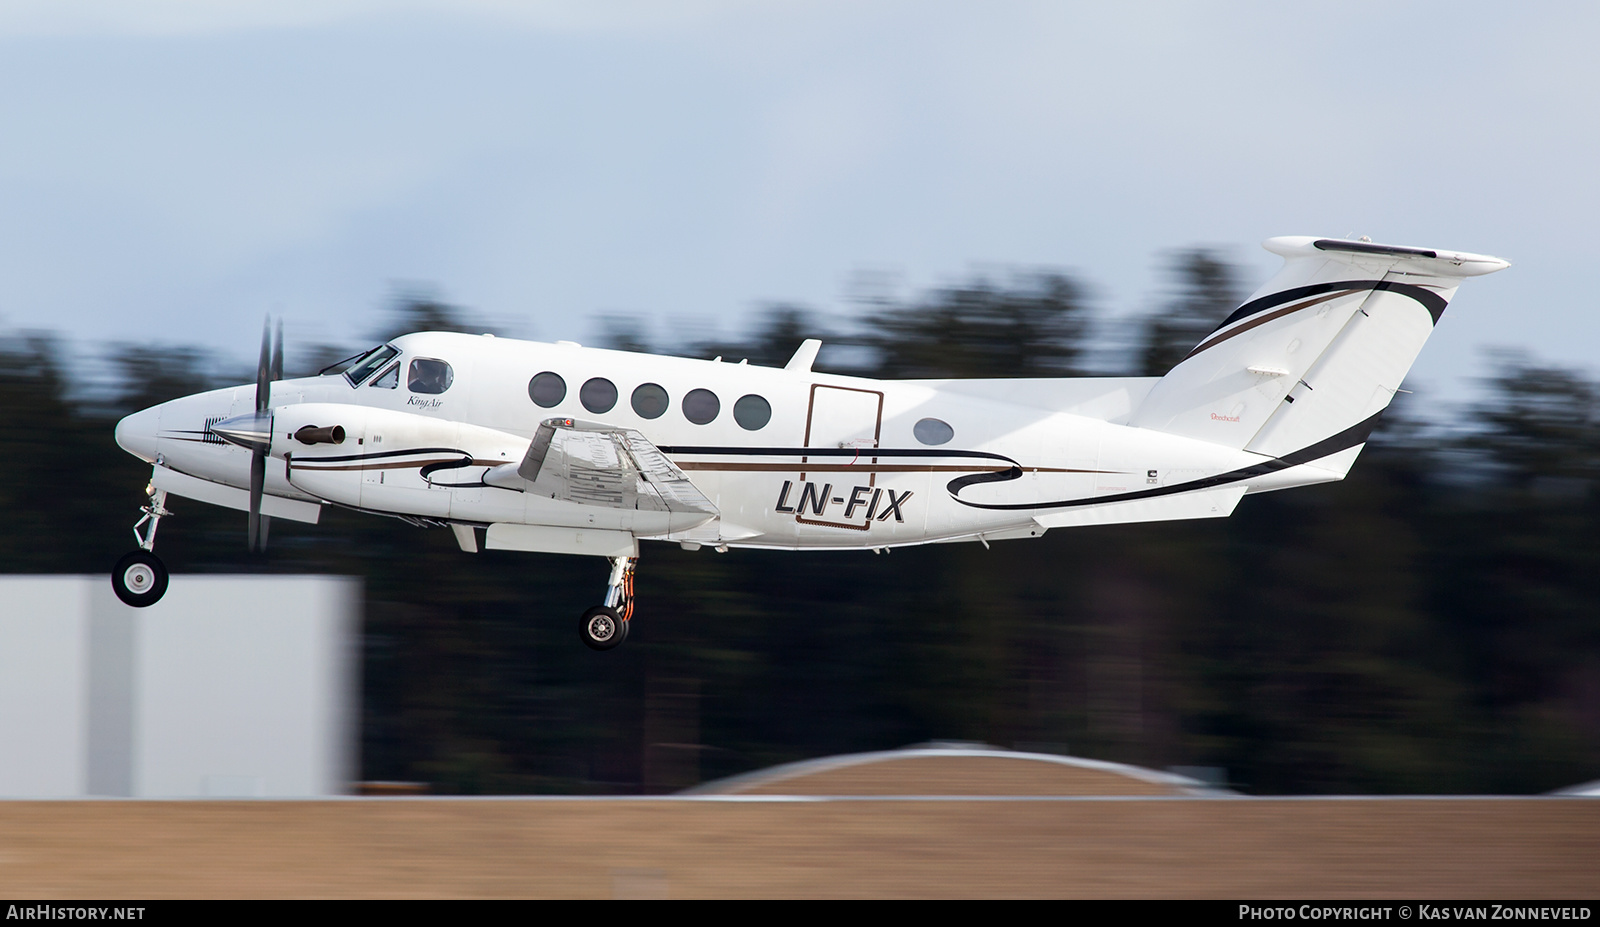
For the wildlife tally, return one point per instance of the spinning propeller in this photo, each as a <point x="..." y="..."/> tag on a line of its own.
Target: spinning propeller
<point x="254" y="432"/>
<point x="269" y="369"/>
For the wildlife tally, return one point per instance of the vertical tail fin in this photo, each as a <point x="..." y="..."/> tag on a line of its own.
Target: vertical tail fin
<point x="1316" y="354"/>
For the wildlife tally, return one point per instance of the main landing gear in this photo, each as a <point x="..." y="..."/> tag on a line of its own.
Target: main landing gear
<point x="605" y="626"/>
<point x="140" y="578"/>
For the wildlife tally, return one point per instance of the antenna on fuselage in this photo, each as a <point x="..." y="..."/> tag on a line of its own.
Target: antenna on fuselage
<point x="804" y="356"/>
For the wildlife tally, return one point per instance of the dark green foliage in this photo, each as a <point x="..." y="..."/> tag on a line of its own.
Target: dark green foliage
<point x="421" y="312"/>
<point x="779" y="331"/>
<point x="1540" y="427"/>
<point x="1205" y="290"/>
<point x="1427" y="625"/>
<point x="1033" y="328"/>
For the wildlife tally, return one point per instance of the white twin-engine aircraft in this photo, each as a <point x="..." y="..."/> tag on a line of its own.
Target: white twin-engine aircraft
<point x="519" y="445"/>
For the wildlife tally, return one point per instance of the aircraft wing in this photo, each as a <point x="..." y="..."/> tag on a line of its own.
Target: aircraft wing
<point x="603" y="465"/>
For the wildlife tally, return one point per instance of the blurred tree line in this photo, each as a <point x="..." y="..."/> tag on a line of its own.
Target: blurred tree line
<point x="1427" y="625"/>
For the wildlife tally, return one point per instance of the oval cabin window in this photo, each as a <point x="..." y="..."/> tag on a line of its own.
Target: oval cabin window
<point x="429" y="376"/>
<point x="752" y="412"/>
<point x="547" y="389"/>
<point x="701" y="406"/>
<point x="598" y="395"/>
<point x="650" y="400"/>
<point x="933" y="431"/>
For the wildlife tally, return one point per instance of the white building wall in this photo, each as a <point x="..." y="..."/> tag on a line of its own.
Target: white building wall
<point x="231" y="686"/>
<point x="44" y="650"/>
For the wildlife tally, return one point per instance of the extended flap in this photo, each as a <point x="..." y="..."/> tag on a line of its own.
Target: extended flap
<point x="605" y="465"/>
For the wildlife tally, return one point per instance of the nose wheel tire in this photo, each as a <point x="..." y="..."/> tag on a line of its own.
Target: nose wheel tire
<point x="602" y="628"/>
<point x="140" y="579"/>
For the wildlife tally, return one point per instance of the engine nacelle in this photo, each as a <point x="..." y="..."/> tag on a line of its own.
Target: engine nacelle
<point x="389" y="461"/>
<point x="408" y="464"/>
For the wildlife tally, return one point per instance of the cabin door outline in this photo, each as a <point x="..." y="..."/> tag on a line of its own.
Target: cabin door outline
<point x="837" y="401"/>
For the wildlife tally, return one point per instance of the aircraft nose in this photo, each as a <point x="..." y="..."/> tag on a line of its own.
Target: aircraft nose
<point x="136" y="433"/>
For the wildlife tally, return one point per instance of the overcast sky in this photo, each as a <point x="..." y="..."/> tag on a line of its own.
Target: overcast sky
<point x="172" y="171"/>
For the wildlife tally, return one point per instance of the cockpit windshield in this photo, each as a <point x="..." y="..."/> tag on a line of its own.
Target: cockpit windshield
<point x="360" y="367"/>
<point x="340" y="366"/>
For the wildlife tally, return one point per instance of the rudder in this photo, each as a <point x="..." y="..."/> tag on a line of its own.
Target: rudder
<point x="1316" y="354"/>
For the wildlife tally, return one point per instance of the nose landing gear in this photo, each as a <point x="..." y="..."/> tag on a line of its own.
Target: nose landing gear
<point x="140" y="578"/>
<point x="606" y="626"/>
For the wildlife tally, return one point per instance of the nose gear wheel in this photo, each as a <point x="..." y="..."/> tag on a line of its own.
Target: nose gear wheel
<point x="140" y="579"/>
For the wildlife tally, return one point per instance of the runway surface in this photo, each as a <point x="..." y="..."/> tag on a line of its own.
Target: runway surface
<point x="804" y="847"/>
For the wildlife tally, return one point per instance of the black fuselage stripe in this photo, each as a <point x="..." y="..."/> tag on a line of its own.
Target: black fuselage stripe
<point x="1433" y="302"/>
<point x="1363" y="247"/>
<point x="377" y="455"/>
<point x="1351" y="437"/>
<point x="1262" y="318"/>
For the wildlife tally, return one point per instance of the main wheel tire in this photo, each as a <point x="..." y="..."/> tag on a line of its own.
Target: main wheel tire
<point x="140" y="579"/>
<point x="602" y="628"/>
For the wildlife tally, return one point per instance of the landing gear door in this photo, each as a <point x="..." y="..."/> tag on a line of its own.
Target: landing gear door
<point x="836" y="488"/>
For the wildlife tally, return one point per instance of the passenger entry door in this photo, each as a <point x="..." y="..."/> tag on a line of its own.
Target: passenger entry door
<point x="836" y="489"/>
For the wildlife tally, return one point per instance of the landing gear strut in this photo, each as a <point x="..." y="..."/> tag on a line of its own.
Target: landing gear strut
<point x="605" y="626"/>
<point x="140" y="578"/>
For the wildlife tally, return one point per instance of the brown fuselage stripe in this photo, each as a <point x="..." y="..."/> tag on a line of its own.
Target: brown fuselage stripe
<point x="1268" y="317"/>
<point x="871" y="468"/>
<point x="833" y="524"/>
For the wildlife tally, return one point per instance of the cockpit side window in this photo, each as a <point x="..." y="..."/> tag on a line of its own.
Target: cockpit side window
<point x="429" y="376"/>
<point x="389" y="379"/>
<point x="372" y="362"/>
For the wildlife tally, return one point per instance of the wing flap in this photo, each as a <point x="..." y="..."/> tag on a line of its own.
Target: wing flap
<point x="604" y="465"/>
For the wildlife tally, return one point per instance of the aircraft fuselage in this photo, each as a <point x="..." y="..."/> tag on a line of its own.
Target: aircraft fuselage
<point x="789" y="457"/>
